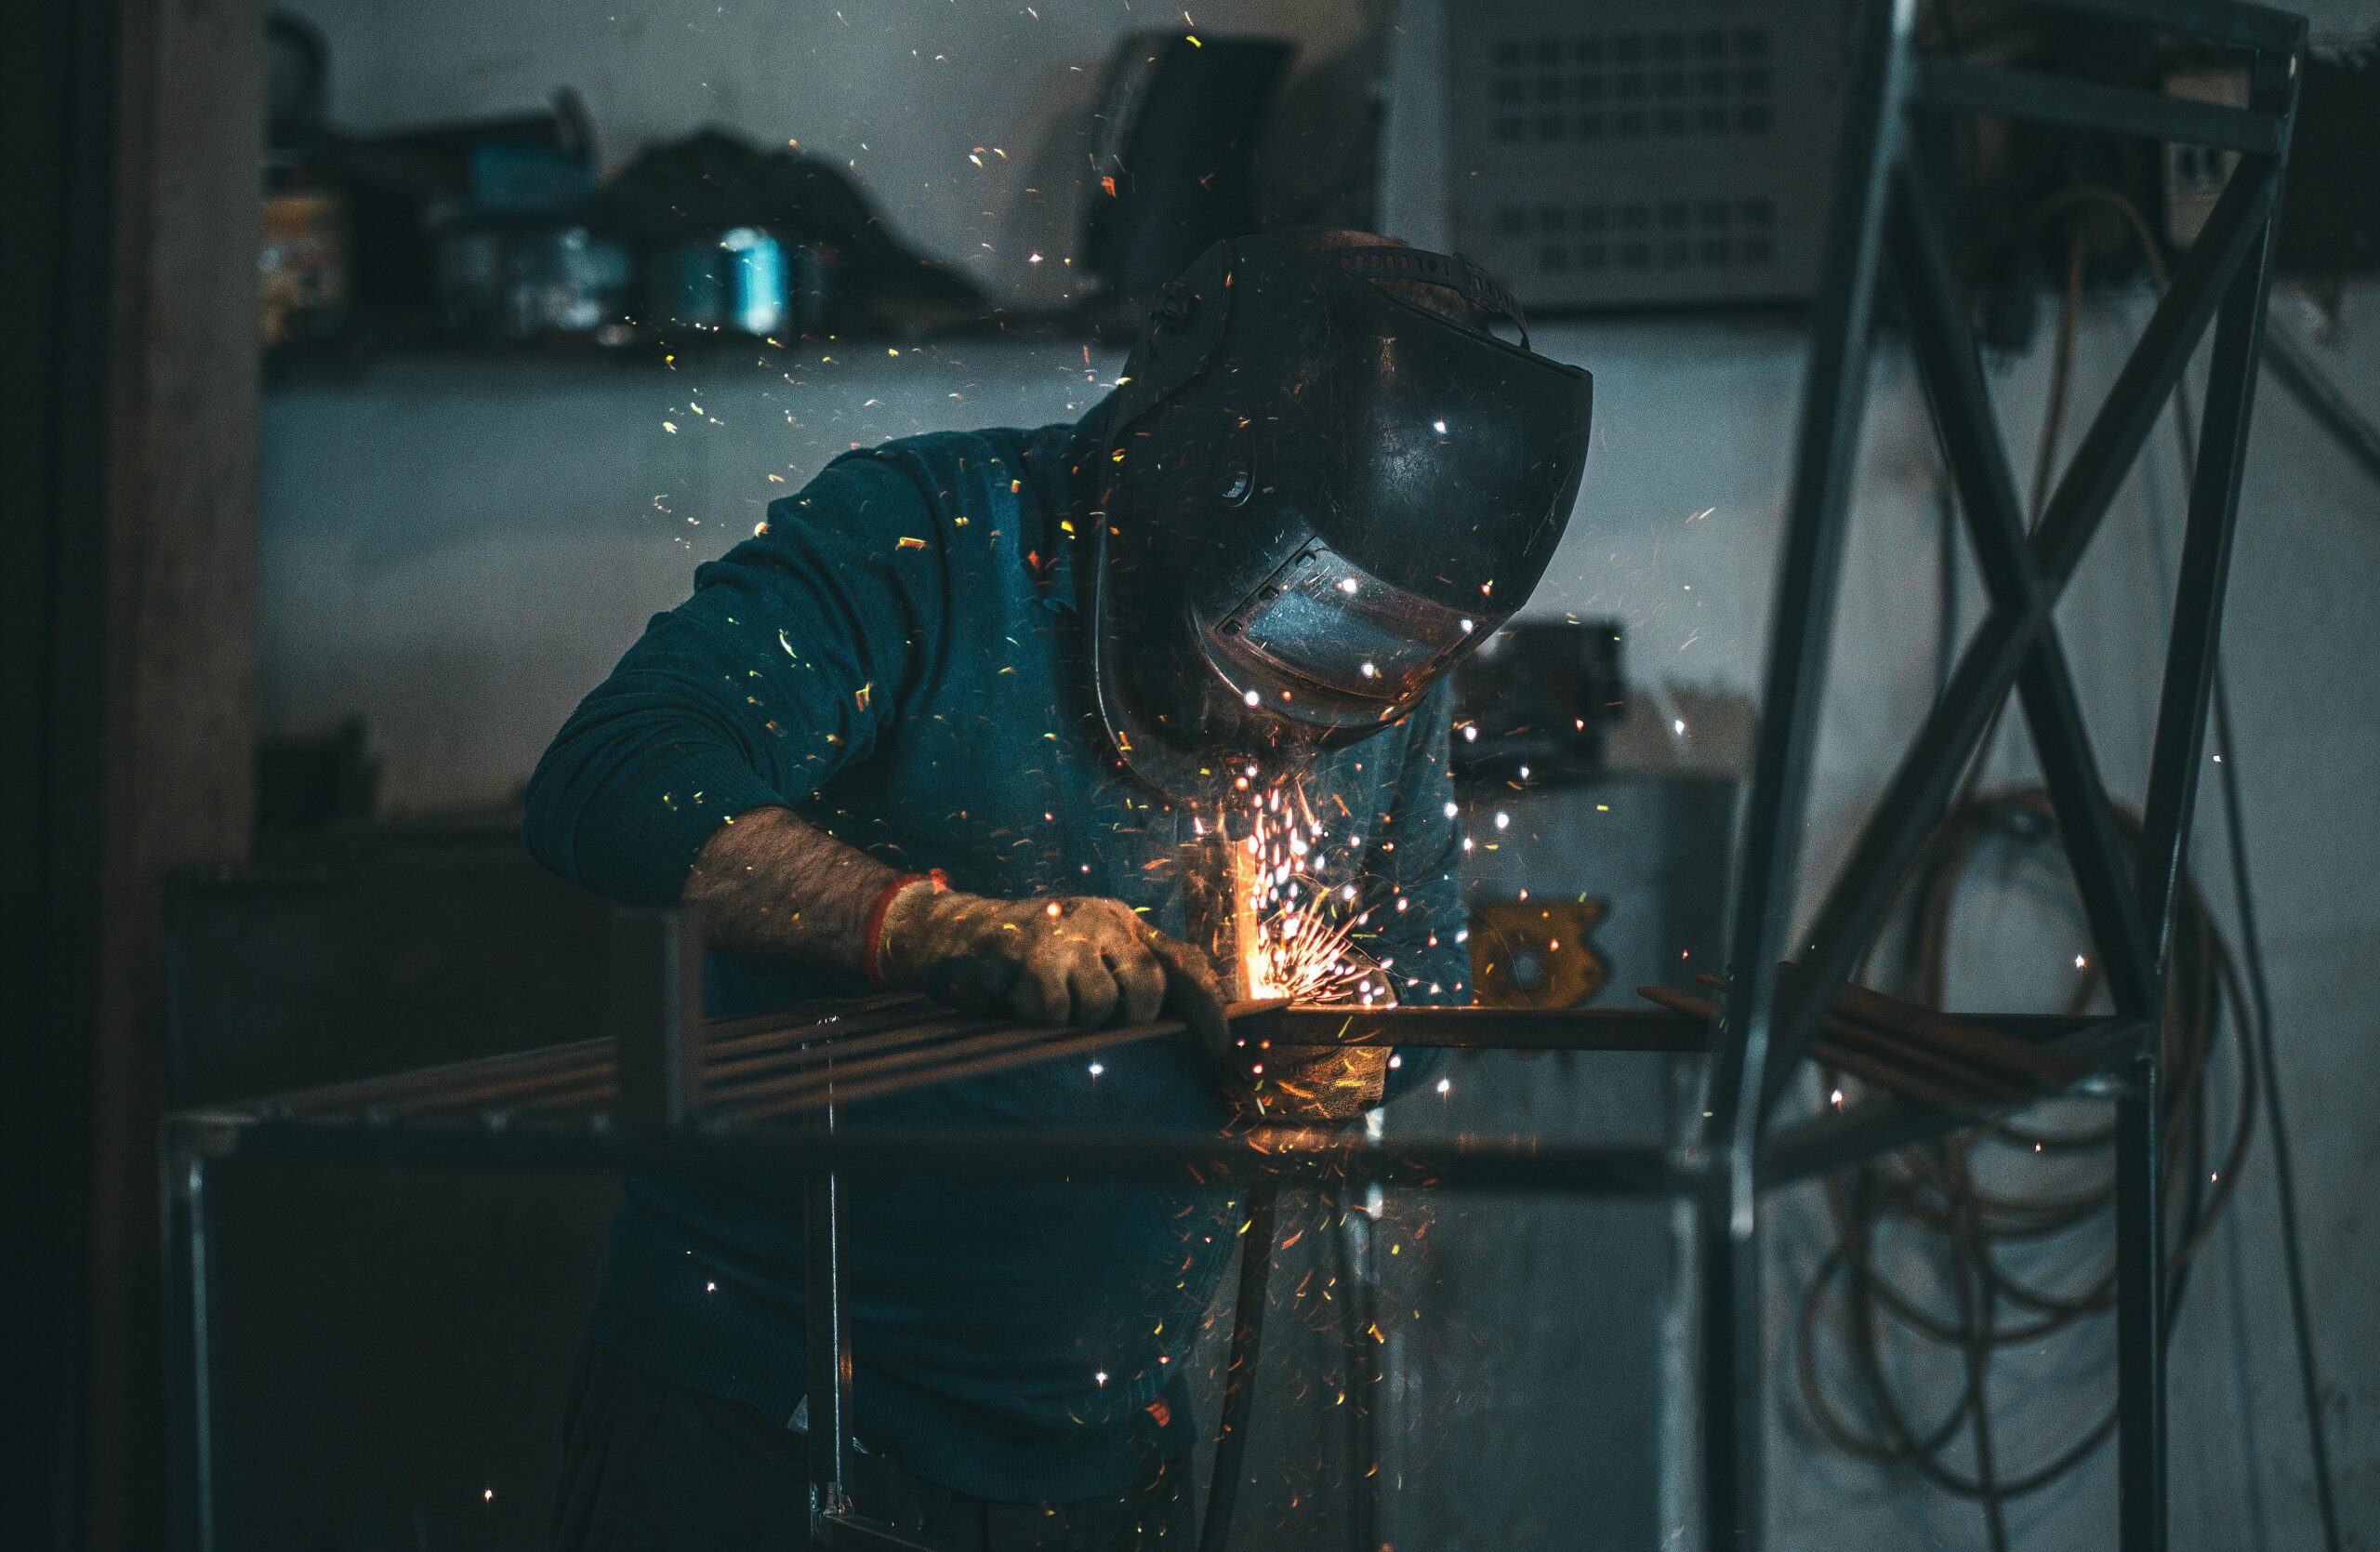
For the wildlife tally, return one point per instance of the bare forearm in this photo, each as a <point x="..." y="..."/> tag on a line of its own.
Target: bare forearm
<point x="773" y="886"/>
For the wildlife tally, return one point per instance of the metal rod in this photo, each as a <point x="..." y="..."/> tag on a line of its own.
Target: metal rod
<point x="828" y="1393"/>
<point x="766" y="1072"/>
<point x="1239" y="1368"/>
<point x="2140" y="1313"/>
<point x="2103" y="458"/>
<point x="1024" y="1048"/>
<point x="1957" y="86"/>
<point x="2179" y="748"/>
<point x="2229" y="21"/>
<point x="1819" y="1145"/>
<point x="1952" y="371"/>
<point x="2289" y="362"/>
<point x="190" y="1336"/>
<point x="1834" y="402"/>
<point x="1477" y="1163"/>
<point x="1480" y="1029"/>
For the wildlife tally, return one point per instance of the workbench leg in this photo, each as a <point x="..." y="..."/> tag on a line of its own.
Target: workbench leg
<point x="2140" y="1316"/>
<point x="1728" y="1238"/>
<point x="826" y="1322"/>
<point x="188" y="1355"/>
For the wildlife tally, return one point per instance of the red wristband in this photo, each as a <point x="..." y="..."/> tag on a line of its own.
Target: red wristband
<point x="871" y="939"/>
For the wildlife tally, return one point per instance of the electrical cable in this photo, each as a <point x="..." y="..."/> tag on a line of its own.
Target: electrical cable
<point x="1933" y="1191"/>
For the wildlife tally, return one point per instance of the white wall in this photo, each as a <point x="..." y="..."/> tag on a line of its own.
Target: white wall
<point x="457" y="551"/>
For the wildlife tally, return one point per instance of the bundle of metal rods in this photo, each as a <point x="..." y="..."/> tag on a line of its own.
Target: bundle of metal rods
<point x="751" y="1069"/>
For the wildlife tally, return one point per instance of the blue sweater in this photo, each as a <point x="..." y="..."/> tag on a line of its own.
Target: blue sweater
<point x="897" y="655"/>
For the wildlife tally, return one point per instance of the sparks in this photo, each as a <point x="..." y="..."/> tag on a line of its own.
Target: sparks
<point x="1296" y="940"/>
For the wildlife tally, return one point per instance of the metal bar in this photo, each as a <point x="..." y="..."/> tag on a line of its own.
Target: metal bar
<point x="2103" y="458"/>
<point x="392" y="1091"/>
<point x="718" y="1031"/>
<point x="1033" y="1048"/>
<point x="827" y="1392"/>
<point x="2195" y="644"/>
<point x="1954" y="86"/>
<point x="654" y="1005"/>
<point x="189" y="1346"/>
<point x="757" y="1077"/>
<point x="2289" y="362"/>
<point x="1913" y="1070"/>
<point x="1834" y="402"/>
<point x="1921" y="786"/>
<point x="1468" y="1163"/>
<point x="2004" y="1054"/>
<point x="1480" y="1029"/>
<point x="1239" y="1368"/>
<point x="1822" y="1144"/>
<point x="2140" y="1314"/>
<point x="1953" y="374"/>
<point x="1835" y="398"/>
<point x="2227" y="21"/>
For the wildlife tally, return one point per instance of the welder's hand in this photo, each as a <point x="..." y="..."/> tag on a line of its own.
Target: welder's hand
<point x="1076" y="961"/>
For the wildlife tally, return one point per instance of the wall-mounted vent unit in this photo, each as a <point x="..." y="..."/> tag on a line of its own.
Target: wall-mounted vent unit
<point x="1640" y="153"/>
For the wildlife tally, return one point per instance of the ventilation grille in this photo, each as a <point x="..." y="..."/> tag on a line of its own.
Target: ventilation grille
<point x="1671" y="234"/>
<point x="1709" y="82"/>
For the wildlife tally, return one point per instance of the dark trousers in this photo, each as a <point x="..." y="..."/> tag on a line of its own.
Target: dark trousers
<point x="649" y="1466"/>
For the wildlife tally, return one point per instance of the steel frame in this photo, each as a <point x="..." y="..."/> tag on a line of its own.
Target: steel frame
<point x="662" y="1089"/>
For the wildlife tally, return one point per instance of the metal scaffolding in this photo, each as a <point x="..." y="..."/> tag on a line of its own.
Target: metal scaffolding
<point x="663" y="1089"/>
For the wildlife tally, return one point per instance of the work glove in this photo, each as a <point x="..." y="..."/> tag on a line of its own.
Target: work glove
<point x="1092" y="963"/>
<point x="1075" y="960"/>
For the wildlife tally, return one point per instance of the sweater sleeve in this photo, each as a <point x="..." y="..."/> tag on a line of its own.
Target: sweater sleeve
<point x="790" y="660"/>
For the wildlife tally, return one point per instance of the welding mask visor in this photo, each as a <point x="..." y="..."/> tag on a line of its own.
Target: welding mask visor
<point x="1317" y="496"/>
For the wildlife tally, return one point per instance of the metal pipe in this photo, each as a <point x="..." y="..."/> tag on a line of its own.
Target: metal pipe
<point x="1957" y="86"/>
<point x="1239" y="1368"/>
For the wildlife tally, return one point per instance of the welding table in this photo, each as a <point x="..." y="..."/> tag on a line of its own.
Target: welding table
<point x="743" y="1097"/>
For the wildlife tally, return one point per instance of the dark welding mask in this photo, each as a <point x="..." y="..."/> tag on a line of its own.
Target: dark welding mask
<point x="1315" y="498"/>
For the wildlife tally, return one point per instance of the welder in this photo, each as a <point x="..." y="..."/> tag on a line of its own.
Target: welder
<point x="950" y="721"/>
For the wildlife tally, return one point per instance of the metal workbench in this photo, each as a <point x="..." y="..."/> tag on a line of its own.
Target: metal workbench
<point x="661" y="1088"/>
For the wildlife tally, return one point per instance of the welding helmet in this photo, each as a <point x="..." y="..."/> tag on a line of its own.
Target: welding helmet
<point x="1314" y="497"/>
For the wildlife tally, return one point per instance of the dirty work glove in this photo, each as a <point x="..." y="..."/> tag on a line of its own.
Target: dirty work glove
<point x="1073" y="961"/>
